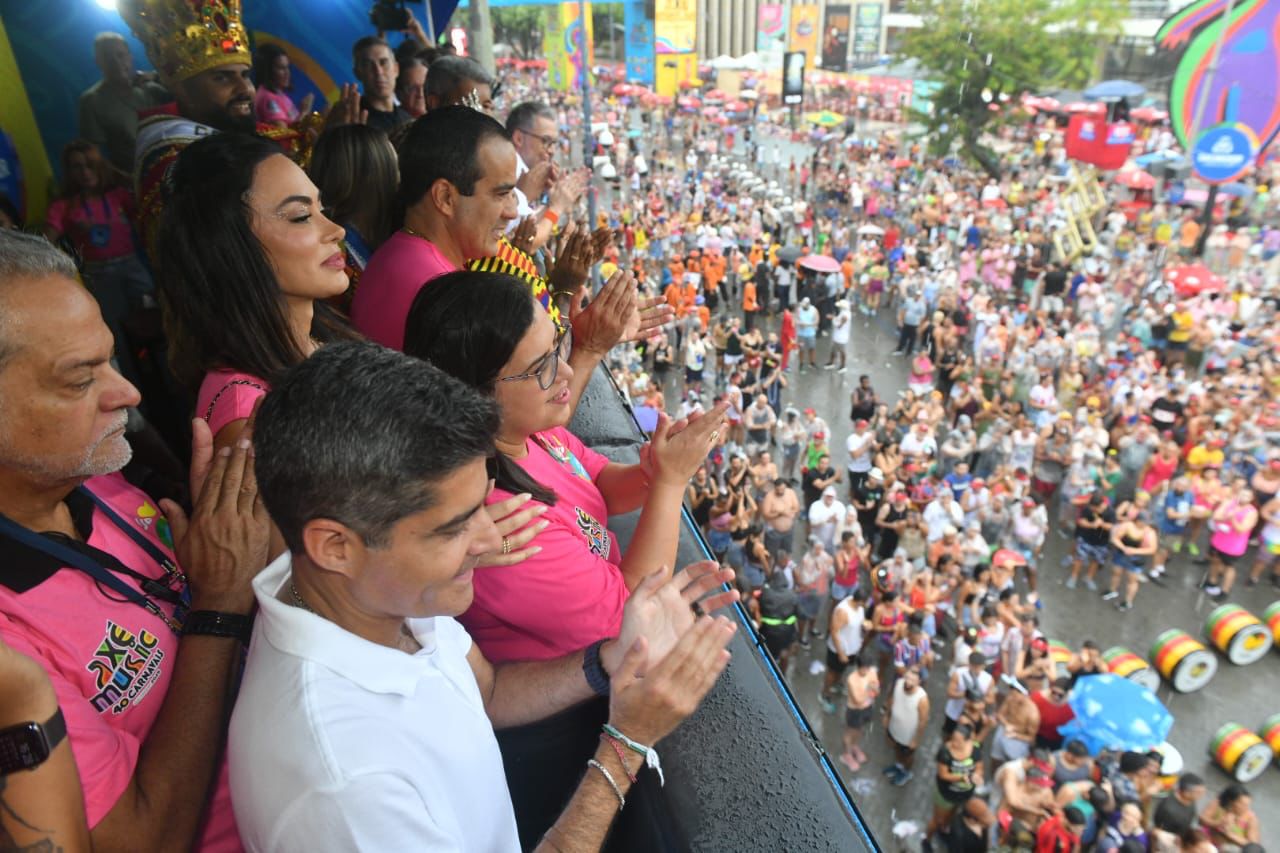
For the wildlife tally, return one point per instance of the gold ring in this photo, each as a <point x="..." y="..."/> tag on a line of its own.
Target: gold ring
<point x="715" y="434"/>
<point x="506" y="545"/>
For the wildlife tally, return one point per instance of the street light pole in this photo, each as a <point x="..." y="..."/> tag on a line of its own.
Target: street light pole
<point x="588" y="138"/>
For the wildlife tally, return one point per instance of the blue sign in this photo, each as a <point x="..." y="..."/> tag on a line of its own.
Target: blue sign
<point x="639" y="42"/>
<point x="1223" y="153"/>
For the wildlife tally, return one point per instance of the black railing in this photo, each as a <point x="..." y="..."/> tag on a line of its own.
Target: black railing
<point x="747" y="772"/>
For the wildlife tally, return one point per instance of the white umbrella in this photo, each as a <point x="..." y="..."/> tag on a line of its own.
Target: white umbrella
<point x="871" y="230"/>
<point x="748" y="95"/>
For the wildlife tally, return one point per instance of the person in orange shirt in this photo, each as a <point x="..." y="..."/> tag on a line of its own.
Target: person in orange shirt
<point x="756" y="255"/>
<point x="750" y="307"/>
<point x="846" y="269"/>
<point x="713" y="268"/>
<point x="704" y="314"/>
<point x="677" y="269"/>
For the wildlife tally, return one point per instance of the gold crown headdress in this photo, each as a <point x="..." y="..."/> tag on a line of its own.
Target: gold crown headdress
<point x="186" y="37"/>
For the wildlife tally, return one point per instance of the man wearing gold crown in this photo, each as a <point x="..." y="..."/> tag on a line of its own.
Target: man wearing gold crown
<point x="200" y="49"/>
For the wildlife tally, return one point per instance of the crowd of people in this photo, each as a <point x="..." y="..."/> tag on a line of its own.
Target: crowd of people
<point x="416" y="247"/>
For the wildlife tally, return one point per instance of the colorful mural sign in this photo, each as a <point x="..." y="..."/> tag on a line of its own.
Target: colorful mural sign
<point x="639" y="42"/>
<point x="675" y="25"/>
<point x="804" y="32"/>
<point x="772" y="32"/>
<point x="1224" y="153"/>
<point x="1242" y="39"/>
<point x="565" y="42"/>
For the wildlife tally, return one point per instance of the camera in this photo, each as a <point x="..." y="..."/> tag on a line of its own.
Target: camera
<point x="389" y="15"/>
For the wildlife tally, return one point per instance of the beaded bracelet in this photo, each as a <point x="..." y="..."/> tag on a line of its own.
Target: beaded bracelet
<point x="650" y="754"/>
<point x="622" y="801"/>
<point x="622" y="756"/>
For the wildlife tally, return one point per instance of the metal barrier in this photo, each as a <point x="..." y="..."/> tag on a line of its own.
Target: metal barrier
<point x="746" y="772"/>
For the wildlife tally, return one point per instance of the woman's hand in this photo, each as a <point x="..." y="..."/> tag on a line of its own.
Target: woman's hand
<point x="573" y="262"/>
<point x="517" y="526"/>
<point x="679" y="448"/>
<point x="602" y="323"/>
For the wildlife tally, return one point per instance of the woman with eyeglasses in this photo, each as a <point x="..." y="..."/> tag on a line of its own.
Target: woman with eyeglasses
<point x="488" y="330"/>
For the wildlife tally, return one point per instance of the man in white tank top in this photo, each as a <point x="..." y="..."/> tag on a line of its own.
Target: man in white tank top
<point x="844" y="640"/>
<point x="908" y="718"/>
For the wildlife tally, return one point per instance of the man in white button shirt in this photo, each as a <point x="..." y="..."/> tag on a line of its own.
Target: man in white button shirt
<point x="536" y="136"/>
<point x="365" y="718"/>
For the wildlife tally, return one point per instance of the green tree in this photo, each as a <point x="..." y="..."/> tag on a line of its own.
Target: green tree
<point x="521" y="27"/>
<point x="980" y="50"/>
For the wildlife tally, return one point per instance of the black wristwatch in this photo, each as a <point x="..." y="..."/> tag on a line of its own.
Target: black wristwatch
<point x="597" y="678"/>
<point x="212" y="623"/>
<point x="28" y="745"/>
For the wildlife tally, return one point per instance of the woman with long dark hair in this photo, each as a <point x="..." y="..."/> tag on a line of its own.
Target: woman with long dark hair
<point x="488" y="330"/>
<point x="247" y="260"/>
<point x="272" y="77"/>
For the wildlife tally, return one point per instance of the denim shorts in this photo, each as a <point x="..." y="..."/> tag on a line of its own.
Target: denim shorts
<point x="1101" y="554"/>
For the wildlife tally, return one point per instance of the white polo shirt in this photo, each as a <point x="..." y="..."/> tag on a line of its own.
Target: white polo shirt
<point x="341" y="744"/>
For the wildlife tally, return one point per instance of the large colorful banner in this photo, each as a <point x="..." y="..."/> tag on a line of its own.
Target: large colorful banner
<point x="567" y="45"/>
<point x="804" y="32"/>
<point x="639" y="42"/>
<point x="866" y="33"/>
<point x="675" y="24"/>
<point x="671" y="68"/>
<point x="835" y="37"/>
<point x="771" y="33"/>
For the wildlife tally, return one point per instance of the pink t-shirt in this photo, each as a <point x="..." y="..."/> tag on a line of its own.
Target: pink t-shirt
<point x="390" y="281"/>
<point x="571" y="593"/>
<point x="274" y="107"/>
<point x="100" y="229"/>
<point x="226" y="396"/>
<point x="110" y="661"/>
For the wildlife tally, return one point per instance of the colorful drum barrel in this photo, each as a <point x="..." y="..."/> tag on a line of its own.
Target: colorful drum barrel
<point x="1238" y="634"/>
<point x="1240" y="752"/>
<point x="1126" y="664"/>
<point x="1272" y="617"/>
<point x="1061" y="656"/>
<point x="1271" y="733"/>
<point x="1184" y="662"/>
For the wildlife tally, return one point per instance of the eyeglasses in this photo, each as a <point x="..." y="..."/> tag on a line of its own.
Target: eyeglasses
<point x="549" y="140"/>
<point x="549" y="365"/>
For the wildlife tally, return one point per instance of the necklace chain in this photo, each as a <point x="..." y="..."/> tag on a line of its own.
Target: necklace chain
<point x="297" y="597"/>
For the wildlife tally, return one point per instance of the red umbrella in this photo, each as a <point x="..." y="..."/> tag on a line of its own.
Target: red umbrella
<point x="1192" y="279"/>
<point x="716" y="95"/>
<point x="819" y="263"/>
<point x="1088" y="108"/>
<point x="1048" y="104"/>
<point x="623" y="89"/>
<point x="1150" y="115"/>
<point x="900" y="163"/>
<point x="1135" y="179"/>
<point x="688" y="102"/>
<point x="1008" y="557"/>
<point x="737" y="107"/>
<point x="690" y="84"/>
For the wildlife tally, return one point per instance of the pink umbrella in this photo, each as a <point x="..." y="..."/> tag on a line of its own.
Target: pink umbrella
<point x="1087" y="108"/>
<point x="819" y="263"/>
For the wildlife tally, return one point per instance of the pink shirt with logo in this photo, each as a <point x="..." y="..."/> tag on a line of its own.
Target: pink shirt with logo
<point x="110" y="662"/>
<point x="274" y="107"/>
<point x="226" y="396"/>
<point x="101" y="229"/>
<point x="390" y="281"/>
<point x="571" y="593"/>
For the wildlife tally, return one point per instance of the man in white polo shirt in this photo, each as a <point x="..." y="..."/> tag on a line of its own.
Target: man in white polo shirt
<point x="365" y="719"/>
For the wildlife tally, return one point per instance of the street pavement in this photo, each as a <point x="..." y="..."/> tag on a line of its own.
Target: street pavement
<point x="1245" y="695"/>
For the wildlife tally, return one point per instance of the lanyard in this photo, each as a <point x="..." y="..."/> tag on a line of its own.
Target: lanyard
<point x="86" y="563"/>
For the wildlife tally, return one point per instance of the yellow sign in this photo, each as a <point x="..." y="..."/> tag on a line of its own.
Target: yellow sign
<point x="672" y="68"/>
<point x="675" y="26"/>
<point x="804" y="32"/>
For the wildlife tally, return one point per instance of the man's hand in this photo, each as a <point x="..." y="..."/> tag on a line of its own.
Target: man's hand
<point x="566" y="190"/>
<point x="648" y="701"/>
<point x="224" y="543"/>
<point x="534" y="182"/>
<point x="510" y="516"/>
<point x="662" y="609"/>
<point x="598" y="327"/>
<point x="346" y="110"/>
<point x="525" y="234"/>
<point x="573" y="262"/>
